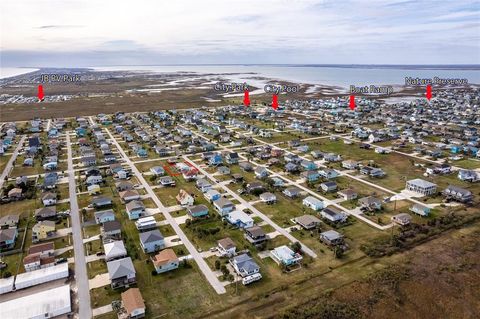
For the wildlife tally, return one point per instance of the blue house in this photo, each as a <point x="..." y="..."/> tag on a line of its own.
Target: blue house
<point x="456" y="149"/>
<point x="197" y="211"/>
<point x="152" y="241"/>
<point x="420" y="210"/>
<point x="53" y="132"/>
<point x="7" y="238"/>
<point x="141" y="152"/>
<point x="212" y="195"/>
<point x="135" y="209"/>
<point x="311" y="176"/>
<point x="215" y="160"/>
<point x="308" y="165"/>
<point x="81" y="132"/>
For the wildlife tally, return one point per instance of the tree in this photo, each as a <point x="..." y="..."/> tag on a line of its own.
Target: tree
<point x="217" y="264"/>
<point x="297" y="247"/>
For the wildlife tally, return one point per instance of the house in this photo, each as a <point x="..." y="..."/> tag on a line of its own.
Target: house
<point x="328" y="186"/>
<point x="277" y="181"/>
<point x="311" y="176"/>
<point x="43" y="230"/>
<point x="283" y="255"/>
<point x="223" y="206"/>
<point x="291" y="168"/>
<point x="9" y="221"/>
<point x="215" y="160"/>
<point x="226" y="247"/>
<point x="261" y="172"/>
<point x="268" y="198"/>
<point x="133" y="304"/>
<point x="239" y="219"/>
<point x="114" y="250"/>
<point x="166" y="181"/>
<point x="328" y="173"/>
<point x="348" y="194"/>
<point x="8" y="238"/>
<point x="308" y="165"/>
<point x="157" y="171"/>
<point x="402" y="219"/>
<point x="232" y="158"/>
<point x="331" y="157"/>
<point x="212" y="195"/>
<point x="146" y="223"/>
<point x="370" y="203"/>
<point x="111" y="229"/>
<point x="101" y="201"/>
<point x="333" y="214"/>
<point x="165" y="260"/>
<point x="39" y="256"/>
<point x="458" y="194"/>
<point x="203" y="185"/>
<point x="255" y="235"/>
<point x="129" y="195"/>
<point x="468" y="175"/>
<point x="223" y="170"/>
<point x="94" y="179"/>
<point x="421" y="186"/>
<point x="255" y="187"/>
<point x="103" y="216"/>
<point x="184" y="199"/>
<point x="420" y="210"/>
<point x="45" y="213"/>
<point x="292" y="192"/>
<point x="313" y="203"/>
<point x="15" y="193"/>
<point x="350" y="164"/>
<point x="439" y="169"/>
<point x="245" y="266"/>
<point x="122" y="186"/>
<point x="331" y="238"/>
<point x="197" y="211"/>
<point x="245" y="166"/>
<point x="372" y="171"/>
<point x="121" y="272"/>
<point x="152" y="241"/>
<point x="135" y="209"/>
<point x="94" y="189"/>
<point x="307" y="221"/>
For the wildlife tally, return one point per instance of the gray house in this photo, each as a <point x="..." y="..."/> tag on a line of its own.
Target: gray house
<point x="121" y="272"/>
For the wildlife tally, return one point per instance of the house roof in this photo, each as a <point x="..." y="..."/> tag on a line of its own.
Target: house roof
<point x="7" y="234"/>
<point x="135" y="204"/>
<point x="9" y="219"/>
<point x="120" y="268"/>
<point x="115" y="248"/>
<point x="307" y="220"/>
<point x="46" y="212"/>
<point x="222" y="202"/>
<point x="112" y="225"/>
<point x="151" y="236"/>
<point x="331" y="235"/>
<point x="226" y="243"/>
<point x="197" y="209"/>
<point x="255" y="231"/>
<point x="39" y="248"/>
<point x="421" y="183"/>
<point x="164" y="257"/>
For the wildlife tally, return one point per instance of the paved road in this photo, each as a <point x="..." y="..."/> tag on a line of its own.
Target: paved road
<point x="9" y="166"/>
<point x="202" y="264"/>
<point x="83" y="293"/>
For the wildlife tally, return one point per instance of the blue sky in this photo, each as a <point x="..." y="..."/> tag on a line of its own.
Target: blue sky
<point x="86" y="33"/>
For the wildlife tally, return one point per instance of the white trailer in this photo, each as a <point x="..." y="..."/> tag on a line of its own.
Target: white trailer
<point x="41" y="276"/>
<point x="6" y="285"/>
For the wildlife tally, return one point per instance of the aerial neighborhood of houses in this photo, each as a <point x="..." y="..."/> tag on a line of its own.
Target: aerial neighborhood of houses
<point x="116" y="213"/>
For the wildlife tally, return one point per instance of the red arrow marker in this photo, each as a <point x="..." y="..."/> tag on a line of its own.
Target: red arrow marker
<point x="275" y="101"/>
<point x="40" y="93"/>
<point x="429" y="92"/>
<point x="352" y="102"/>
<point x="246" y="98"/>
